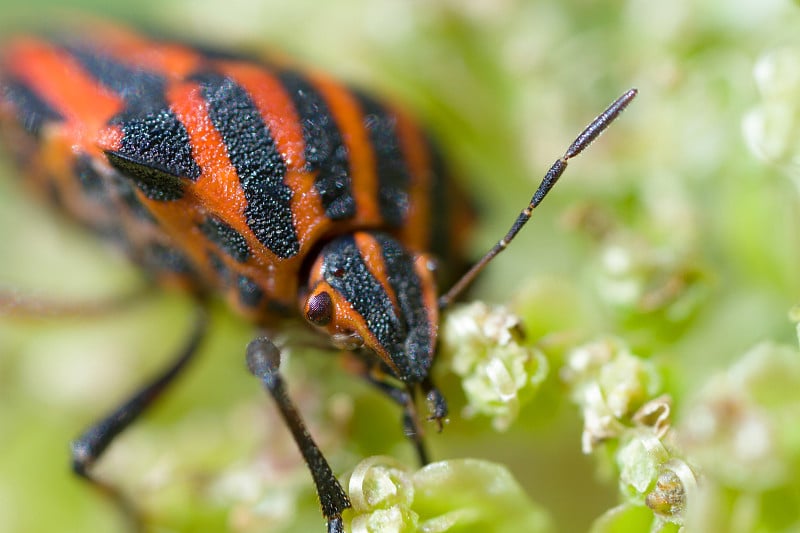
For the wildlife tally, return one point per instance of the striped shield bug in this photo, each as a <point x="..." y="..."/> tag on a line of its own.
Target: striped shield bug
<point x="288" y="194"/>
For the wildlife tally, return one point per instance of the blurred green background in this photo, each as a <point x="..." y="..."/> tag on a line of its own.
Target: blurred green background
<point x="677" y="232"/>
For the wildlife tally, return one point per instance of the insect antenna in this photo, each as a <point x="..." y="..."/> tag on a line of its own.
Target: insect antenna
<point x="587" y="136"/>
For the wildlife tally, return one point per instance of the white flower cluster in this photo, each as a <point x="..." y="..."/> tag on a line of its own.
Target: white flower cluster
<point x="617" y="394"/>
<point x="499" y="372"/>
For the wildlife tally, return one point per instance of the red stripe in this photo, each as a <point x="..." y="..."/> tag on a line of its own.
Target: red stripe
<point x="279" y="115"/>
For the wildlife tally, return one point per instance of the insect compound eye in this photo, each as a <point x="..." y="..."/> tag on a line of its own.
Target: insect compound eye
<point x="319" y="310"/>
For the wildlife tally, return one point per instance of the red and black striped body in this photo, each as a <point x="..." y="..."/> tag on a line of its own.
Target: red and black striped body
<point x="284" y="191"/>
<point x="245" y="178"/>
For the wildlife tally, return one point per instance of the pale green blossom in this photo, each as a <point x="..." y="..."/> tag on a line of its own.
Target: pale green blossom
<point x="609" y="384"/>
<point x="500" y="371"/>
<point x="457" y="495"/>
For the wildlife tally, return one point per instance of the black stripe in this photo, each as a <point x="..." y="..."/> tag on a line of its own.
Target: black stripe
<point x="260" y="166"/>
<point x="142" y="90"/>
<point x="408" y="290"/>
<point x="347" y="273"/>
<point x="155" y="150"/>
<point x="390" y="164"/>
<point x="228" y="239"/>
<point x="158" y="258"/>
<point x="114" y="233"/>
<point x="223" y="273"/>
<point x="280" y="308"/>
<point x="91" y="181"/>
<point x="32" y="112"/>
<point x="98" y="187"/>
<point x="250" y="294"/>
<point x="157" y="140"/>
<point x="325" y="152"/>
<point x="440" y="205"/>
<point x="127" y="194"/>
<point x="155" y="182"/>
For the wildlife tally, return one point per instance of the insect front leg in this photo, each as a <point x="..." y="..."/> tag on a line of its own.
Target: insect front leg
<point x="404" y="397"/>
<point x="263" y="360"/>
<point x="89" y="447"/>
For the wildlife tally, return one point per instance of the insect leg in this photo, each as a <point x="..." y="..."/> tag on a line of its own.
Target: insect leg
<point x="402" y="396"/>
<point x="20" y="305"/>
<point x="581" y="142"/>
<point x="404" y="399"/>
<point x="263" y="360"/>
<point x="89" y="447"/>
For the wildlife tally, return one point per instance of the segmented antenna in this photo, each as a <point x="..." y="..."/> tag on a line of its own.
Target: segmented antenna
<point x="587" y="136"/>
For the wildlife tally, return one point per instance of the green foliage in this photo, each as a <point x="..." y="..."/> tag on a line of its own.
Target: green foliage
<point x="646" y="303"/>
